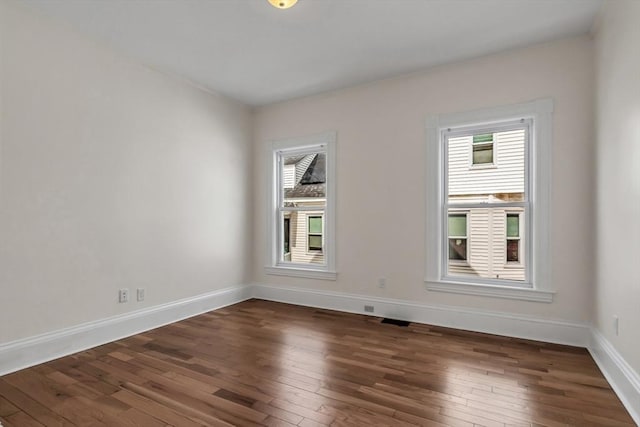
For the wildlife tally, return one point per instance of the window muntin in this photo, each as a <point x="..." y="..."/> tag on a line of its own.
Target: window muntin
<point x="457" y="224"/>
<point x="486" y="194"/>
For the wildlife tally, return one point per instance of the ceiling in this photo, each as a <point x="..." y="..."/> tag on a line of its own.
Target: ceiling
<point x="252" y="52"/>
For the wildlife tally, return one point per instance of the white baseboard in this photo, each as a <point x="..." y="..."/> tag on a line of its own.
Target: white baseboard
<point x="31" y="351"/>
<point x="624" y="380"/>
<point x="507" y="324"/>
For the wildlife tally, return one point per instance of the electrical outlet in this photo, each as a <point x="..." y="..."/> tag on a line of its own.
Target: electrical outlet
<point x="616" y="325"/>
<point x="140" y="294"/>
<point x="123" y="295"/>
<point x="382" y="283"/>
<point x="368" y="309"/>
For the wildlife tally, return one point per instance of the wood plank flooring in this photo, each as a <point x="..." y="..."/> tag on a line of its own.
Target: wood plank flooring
<point x="271" y="364"/>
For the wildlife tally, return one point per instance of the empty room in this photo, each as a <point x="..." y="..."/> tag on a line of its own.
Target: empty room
<point x="319" y="213"/>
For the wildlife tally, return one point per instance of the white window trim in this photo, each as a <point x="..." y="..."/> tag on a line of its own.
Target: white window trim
<point x="326" y="271"/>
<point x="540" y="289"/>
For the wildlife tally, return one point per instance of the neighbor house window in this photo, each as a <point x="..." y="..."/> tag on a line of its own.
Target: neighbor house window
<point x="482" y="149"/>
<point x="458" y="237"/>
<point x="315" y="233"/>
<point x="513" y="237"/>
<point x="302" y="205"/>
<point x="482" y="224"/>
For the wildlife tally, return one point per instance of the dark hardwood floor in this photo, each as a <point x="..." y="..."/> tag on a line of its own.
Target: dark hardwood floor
<point x="265" y="363"/>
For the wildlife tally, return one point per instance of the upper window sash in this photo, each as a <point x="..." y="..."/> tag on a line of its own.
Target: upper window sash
<point x="470" y="130"/>
<point x="279" y="156"/>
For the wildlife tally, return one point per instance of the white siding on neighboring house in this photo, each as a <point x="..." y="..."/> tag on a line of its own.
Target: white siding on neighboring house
<point x="302" y="165"/>
<point x="289" y="176"/>
<point x="506" y="175"/>
<point x="298" y="239"/>
<point x="487" y="256"/>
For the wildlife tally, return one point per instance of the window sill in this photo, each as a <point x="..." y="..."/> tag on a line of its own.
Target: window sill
<point x="301" y="272"/>
<point x="496" y="291"/>
<point x="483" y="166"/>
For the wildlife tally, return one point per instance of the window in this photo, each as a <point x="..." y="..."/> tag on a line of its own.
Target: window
<point x="458" y="237"/>
<point x="485" y="194"/>
<point x="482" y="149"/>
<point x="487" y="227"/>
<point x="315" y="233"/>
<point x="302" y="225"/>
<point x="513" y="238"/>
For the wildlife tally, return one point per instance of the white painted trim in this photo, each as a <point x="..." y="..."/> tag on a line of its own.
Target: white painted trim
<point x="31" y="351"/>
<point x="541" y="145"/>
<point x="498" y="323"/>
<point x="301" y="272"/>
<point x="624" y="380"/>
<point x="505" y="292"/>
<point x="327" y="140"/>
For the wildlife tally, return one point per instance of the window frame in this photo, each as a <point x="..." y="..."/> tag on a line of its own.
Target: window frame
<point x="319" y="143"/>
<point x="538" y="286"/>
<point x="494" y="127"/>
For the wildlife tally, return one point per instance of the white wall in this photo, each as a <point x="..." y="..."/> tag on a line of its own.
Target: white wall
<point x="381" y="171"/>
<point x="112" y="175"/>
<point x="618" y="177"/>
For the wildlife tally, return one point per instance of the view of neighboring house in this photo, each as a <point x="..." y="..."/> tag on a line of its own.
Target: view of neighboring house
<point x="304" y="180"/>
<point x="486" y="232"/>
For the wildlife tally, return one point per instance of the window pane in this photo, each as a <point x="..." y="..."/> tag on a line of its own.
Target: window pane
<point x="482" y="138"/>
<point x="513" y="225"/>
<point x="458" y="225"/>
<point x="303" y="179"/>
<point x="458" y="249"/>
<point x="315" y="242"/>
<point x="482" y="154"/>
<point x="503" y="183"/>
<point x="513" y="250"/>
<point x="315" y="224"/>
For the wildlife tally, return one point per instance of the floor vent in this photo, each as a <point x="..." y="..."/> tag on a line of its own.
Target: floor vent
<point x="395" y="322"/>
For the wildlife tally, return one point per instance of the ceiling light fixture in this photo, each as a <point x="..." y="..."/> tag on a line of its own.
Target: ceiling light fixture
<point x="283" y="4"/>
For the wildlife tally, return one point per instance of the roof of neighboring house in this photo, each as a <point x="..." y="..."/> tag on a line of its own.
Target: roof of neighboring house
<point x="313" y="182"/>
<point x="292" y="160"/>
